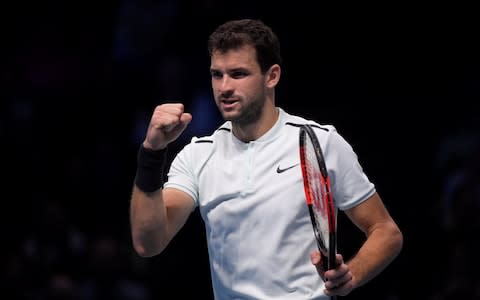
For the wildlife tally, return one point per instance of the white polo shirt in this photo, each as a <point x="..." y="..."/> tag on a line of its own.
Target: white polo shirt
<point x="252" y="201"/>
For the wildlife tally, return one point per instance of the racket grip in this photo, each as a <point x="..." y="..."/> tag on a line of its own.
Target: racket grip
<point x="324" y="261"/>
<point x="332" y="253"/>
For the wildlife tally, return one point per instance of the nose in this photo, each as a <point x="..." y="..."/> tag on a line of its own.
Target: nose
<point x="225" y="84"/>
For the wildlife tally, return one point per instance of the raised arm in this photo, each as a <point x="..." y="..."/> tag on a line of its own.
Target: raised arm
<point x="156" y="214"/>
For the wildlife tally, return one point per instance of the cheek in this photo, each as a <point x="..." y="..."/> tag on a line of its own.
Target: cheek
<point x="215" y="89"/>
<point x="254" y="89"/>
<point x="217" y="86"/>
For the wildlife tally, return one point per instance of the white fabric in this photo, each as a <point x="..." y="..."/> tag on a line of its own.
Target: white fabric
<point x="258" y="229"/>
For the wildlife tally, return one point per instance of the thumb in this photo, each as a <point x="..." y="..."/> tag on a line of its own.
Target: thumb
<point x="185" y="119"/>
<point x="318" y="261"/>
<point x="315" y="257"/>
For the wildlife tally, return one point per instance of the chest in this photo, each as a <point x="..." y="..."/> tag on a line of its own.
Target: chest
<point x="258" y="179"/>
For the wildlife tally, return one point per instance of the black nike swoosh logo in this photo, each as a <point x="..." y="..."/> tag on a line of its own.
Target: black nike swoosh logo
<point x="279" y="170"/>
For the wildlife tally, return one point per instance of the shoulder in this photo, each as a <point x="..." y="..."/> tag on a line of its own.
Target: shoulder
<point x="200" y="143"/>
<point x="328" y="136"/>
<point x="201" y="148"/>
<point x="296" y="121"/>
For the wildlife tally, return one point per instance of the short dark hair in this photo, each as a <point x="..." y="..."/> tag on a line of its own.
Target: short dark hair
<point x="237" y="33"/>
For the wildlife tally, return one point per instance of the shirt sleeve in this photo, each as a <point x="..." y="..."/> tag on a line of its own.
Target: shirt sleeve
<point x="350" y="184"/>
<point x="181" y="175"/>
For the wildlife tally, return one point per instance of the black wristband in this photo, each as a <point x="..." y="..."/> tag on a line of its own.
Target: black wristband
<point x="150" y="166"/>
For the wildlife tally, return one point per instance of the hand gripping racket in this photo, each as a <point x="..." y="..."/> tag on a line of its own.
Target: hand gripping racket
<point x="318" y="196"/>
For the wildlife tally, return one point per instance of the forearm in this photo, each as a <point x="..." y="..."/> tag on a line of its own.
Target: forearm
<point x="155" y="218"/>
<point x="148" y="222"/>
<point x="383" y="244"/>
<point x="148" y="217"/>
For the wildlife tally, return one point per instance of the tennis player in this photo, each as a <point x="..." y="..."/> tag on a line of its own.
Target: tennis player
<point x="246" y="181"/>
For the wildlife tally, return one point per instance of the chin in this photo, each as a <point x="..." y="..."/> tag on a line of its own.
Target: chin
<point x="229" y="116"/>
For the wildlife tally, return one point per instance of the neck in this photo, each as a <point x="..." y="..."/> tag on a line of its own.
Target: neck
<point x="251" y="132"/>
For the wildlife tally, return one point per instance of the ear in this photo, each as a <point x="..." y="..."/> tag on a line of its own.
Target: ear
<point x="273" y="76"/>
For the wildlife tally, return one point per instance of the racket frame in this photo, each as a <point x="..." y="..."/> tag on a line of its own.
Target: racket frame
<point x="306" y="131"/>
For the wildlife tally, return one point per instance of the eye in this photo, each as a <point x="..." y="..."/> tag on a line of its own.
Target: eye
<point x="216" y="74"/>
<point x="239" y="74"/>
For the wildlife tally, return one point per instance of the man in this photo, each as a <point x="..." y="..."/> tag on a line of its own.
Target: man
<point x="259" y="235"/>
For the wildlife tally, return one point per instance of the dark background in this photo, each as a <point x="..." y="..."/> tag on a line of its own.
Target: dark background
<point x="80" y="80"/>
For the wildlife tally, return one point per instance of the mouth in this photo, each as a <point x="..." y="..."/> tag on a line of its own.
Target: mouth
<point x="228" y="103"/>
<point x="228" y="100"/>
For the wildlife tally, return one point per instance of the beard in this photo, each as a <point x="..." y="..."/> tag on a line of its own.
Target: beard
<point x="250" y="113"/>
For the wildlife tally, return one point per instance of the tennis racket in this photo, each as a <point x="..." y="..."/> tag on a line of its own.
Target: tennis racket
<point x="318" y="196"/>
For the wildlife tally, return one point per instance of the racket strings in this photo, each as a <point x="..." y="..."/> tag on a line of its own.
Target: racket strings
<point x="318" y="193"/>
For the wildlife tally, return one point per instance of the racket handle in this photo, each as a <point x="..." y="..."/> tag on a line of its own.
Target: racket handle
<point x="332" y="253"/>
<point x="324" y="261"/>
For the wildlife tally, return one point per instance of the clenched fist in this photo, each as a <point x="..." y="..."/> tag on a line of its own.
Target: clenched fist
<point x="167" y="123"/>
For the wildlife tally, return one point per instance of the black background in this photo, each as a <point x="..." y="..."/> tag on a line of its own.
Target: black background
<point x="400" y="83"/>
